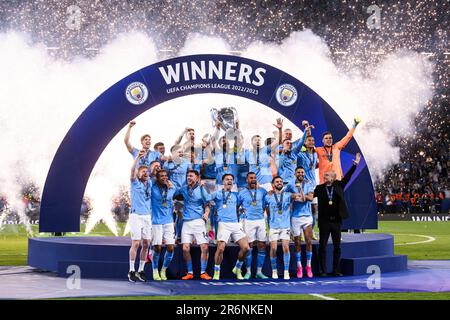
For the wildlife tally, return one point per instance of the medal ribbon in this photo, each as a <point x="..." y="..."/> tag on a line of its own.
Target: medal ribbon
<point x="224" y="157"/>
<point x="257" y="157"/>
<point x="147" y="193"/>
<point x="192" y="156"/>
<point x="253" y="195"/>
<point x="163" y="192"/>
<point x="329" y="155"/>
<point x="225" y="200"/>
<point x="279" y="203"/>
<point x="330" y="193"/>
<point x="311" y="159"/>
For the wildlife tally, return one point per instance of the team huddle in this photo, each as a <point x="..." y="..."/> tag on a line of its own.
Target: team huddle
<point x="266" y="193"/>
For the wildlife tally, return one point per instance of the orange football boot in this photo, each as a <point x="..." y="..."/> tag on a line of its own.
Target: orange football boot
<point x="205" y="276"/>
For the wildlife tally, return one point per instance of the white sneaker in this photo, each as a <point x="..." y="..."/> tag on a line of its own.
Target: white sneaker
<point x="286" y="275"/>
<point x="274" y="275"/>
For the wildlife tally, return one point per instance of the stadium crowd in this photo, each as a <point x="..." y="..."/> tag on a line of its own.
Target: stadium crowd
<point x="419" y="183"/>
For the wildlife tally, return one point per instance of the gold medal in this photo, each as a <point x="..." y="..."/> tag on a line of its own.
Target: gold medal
<point x="225" y="168"/>
<point x="254" y="203"/>
<point x="257" y="167"/>
<point x="164" y="204"/>
<point x="280" y="211"/>
<point x="224" y="206"/>
<point x="330" y="195"/>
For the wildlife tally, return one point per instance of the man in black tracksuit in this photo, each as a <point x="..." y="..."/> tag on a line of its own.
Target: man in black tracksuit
<point x="332" y="210"/>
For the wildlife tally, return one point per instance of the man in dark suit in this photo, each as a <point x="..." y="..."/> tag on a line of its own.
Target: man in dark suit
<point x="332" y="210"/>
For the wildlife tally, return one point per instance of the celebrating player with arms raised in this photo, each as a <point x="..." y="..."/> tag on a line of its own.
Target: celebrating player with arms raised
<point x="146" y="142"/>
<point x="287" y="159"/>
<point x="258" y="157"/>
<point x="330" y="154"/>
<point x="226" y="156"/>
<point x="309" y="161"/>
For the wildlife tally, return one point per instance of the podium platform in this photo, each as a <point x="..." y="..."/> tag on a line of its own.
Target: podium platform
<point x="107" y="257"/>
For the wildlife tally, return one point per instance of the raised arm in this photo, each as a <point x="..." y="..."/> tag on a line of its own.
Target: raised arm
<point x="180" y="137"/>
<point x="297" y="145"/>
<point x="278" y="136"/>
<point x="209" y="156"/>
<point x="307" y="126"/>
<point x="127" y="136"/>
<point x="307" y="131"/>
<point x="343" y="142"/>
<point x="215" y="136"/>
<point x="134" y="168"/>
<point x="239" y="137"/>
<point x="350" y="172"/>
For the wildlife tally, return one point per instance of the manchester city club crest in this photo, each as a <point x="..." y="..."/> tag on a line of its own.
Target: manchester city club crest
<point x="286" y="95"/>
<point x="136" y="93"/>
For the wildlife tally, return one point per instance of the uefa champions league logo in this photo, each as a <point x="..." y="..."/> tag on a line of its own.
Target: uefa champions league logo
<point x="136" y="93"/>
<point x="286" y="95"/>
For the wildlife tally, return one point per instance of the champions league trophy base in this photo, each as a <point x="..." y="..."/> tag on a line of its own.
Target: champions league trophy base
<point x="107" y="257"/>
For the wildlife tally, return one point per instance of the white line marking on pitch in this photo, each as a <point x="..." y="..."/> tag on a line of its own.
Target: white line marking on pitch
<point x="429" y="239"/>
<point x="321" y="296"/>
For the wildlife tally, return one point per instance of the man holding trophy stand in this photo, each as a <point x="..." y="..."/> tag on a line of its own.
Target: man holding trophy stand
<point x="227" y="157"/>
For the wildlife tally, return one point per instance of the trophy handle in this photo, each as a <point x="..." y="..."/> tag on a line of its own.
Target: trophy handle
<point x="214" y="116"/>
<point x="235" y="114"/>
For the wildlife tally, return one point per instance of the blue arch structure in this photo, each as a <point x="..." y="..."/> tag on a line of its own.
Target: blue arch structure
<point x="112" y="110"/>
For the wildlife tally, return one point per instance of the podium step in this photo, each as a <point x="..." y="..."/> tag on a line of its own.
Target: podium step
<point x="360" y="266"/>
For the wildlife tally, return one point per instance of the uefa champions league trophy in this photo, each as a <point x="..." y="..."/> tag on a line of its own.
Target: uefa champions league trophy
<point x="226" y="117"/>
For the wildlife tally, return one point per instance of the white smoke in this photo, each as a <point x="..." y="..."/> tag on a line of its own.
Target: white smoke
<point x="40" y="98"/>
<point x="397" y="88"/>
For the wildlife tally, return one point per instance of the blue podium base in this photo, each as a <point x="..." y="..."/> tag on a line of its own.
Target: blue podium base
<point x="107" y="257"/>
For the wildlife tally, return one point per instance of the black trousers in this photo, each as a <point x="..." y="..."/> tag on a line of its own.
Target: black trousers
<point x="325" y="229"/>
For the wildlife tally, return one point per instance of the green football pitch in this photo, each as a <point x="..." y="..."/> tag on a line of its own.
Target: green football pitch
<point x="418" y="240"/>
